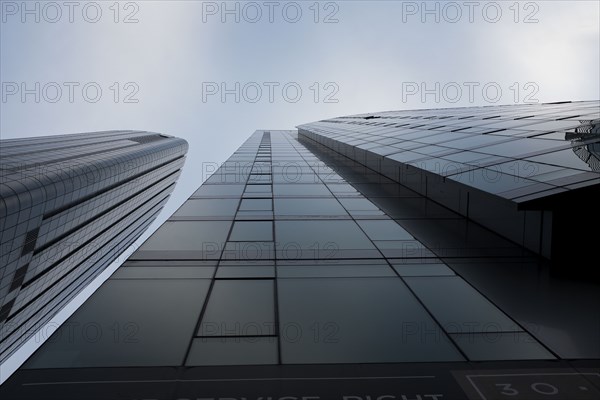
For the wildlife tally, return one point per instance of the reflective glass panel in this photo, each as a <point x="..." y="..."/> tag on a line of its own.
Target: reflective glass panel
<point x="501" y="346"/>
<point x="250" y="231"/>
<point x="187" y="235"/>
<point x="207" y="208"/>
<point x="308" y="207"/>
<point x="239" y="308"/>
<point x="458" y="306"/>
<point x="356" y="320"/>
<point x="385" y="230"/>
<point x="233" y="351"/>
<point x="124" y="324"/>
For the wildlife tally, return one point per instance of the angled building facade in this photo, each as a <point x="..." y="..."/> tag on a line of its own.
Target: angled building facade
<point x="69" y="205"/>
<point x="299" y="272"/>
<point x="517" y="170"/>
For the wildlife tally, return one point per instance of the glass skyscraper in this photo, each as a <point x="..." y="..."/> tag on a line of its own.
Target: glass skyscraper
<point x="69" y="205"/>
<point x="517" y="170"/>
<point x="311" y="265"/>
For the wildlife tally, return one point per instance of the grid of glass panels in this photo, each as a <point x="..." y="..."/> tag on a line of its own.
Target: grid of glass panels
<point x="517" y="152"/>
<point x="293" y="254"/>
<point x="69" y="204"/>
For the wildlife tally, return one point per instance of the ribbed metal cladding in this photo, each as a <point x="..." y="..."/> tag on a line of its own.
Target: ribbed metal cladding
<point x="69" y="205"/>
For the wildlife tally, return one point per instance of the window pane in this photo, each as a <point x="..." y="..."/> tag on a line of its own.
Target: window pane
<point x="233" y="351"/>
<point x="564" y="158"/>
<point x="385" y="230"/>
<point x="259" y="178"/>
<point x="308" y="207"/>
<point x="254" y="215"/>
<point x="423" y="270"/>
<point x="256" y="205"/>
<point x="239" y="308"/>
<point x="163" y="272"/>
<point x="187" y="235"/>
<point x="322" y="239"/>
<point x="219" y="190"/>
<point x="296" y="177"/>
<point x="249" y="231"/>
<point x="248" y="251"/>
<point x="335" y="269"/>
<point x="501" y="346"/>
<point x="258" y="189"/>
<point x="263" y="271"/>
<point x="301" y="190"/>
<point x="358" y="205"/>
<point x="458" y="306"/>
<point x="357" y="320"/>
<point x="208" y="208"/>
<point x="138" y="309"/>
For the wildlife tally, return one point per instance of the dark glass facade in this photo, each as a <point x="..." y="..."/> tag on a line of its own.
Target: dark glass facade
<point x="517" y="170"/>
<point x="69" y="205"/>
<point x="299" y="271"/>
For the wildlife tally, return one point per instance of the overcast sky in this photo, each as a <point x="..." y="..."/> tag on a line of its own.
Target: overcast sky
<point x="164" y="65"/>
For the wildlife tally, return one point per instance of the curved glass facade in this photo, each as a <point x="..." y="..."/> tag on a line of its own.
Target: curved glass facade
<point x="69" y="205"/>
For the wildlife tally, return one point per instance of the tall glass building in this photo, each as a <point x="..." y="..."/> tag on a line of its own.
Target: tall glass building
<point x="69" y="205"/>
<point x="308" y="267"/>
<point x="517" y="170"/>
